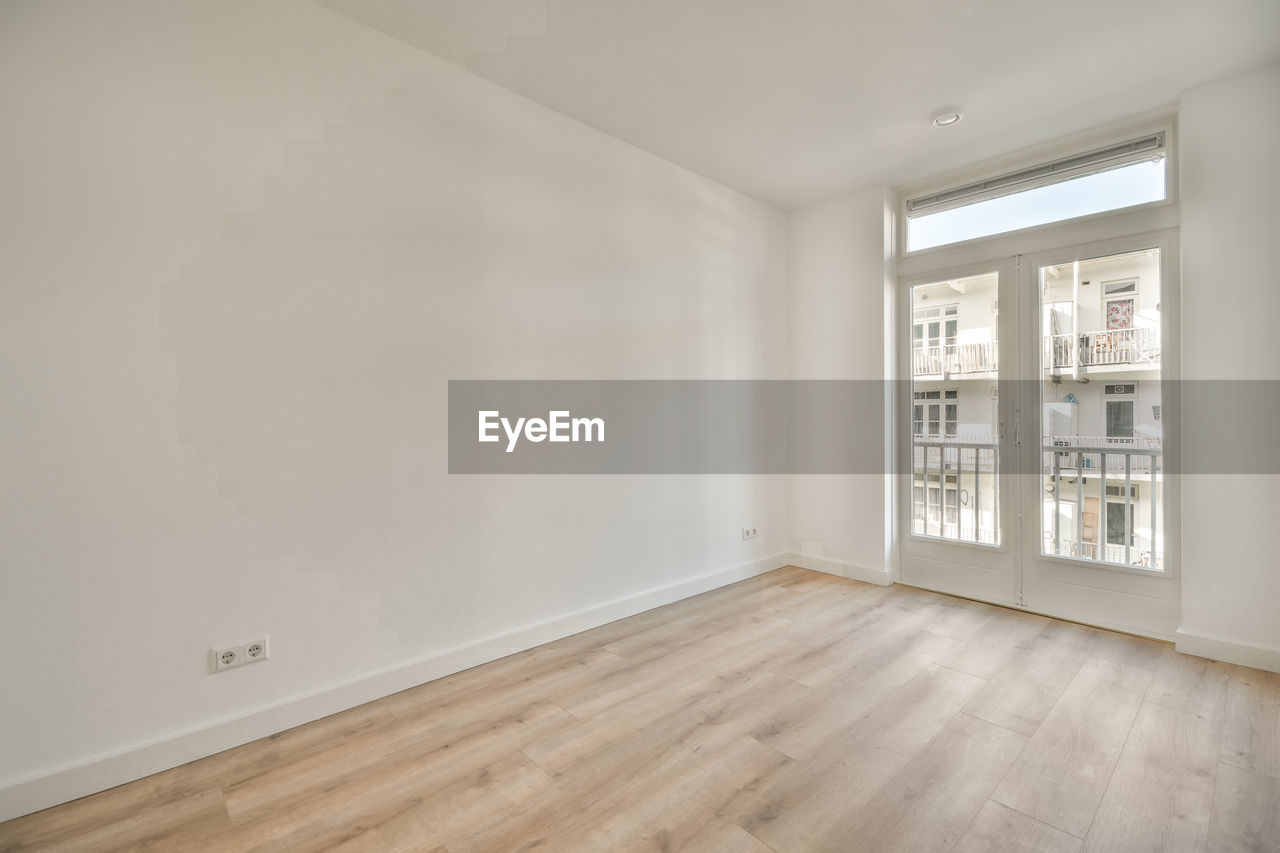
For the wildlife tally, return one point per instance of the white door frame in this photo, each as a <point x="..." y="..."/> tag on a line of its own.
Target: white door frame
<point x="974" y="570"/>
<point x="1130" y="599"/>
<point x="1014" y="573"/>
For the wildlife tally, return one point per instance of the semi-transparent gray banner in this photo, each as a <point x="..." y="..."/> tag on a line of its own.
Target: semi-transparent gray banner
<point x="839" y="426"/>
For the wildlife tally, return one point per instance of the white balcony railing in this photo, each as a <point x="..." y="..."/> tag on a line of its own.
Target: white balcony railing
<point x="956" y="483"/>
<point x="1140" y="454"/>
<point x="956" y="488"/>
<point x="1115" y="346"/>
<point x="951" y="359"/>
<point x="1107" y="442"/>
<point x="984" y="441"/>
<point x="1091" y="349"/>
<point x="1108" y="553"/>
<point x="1098" y="471"/>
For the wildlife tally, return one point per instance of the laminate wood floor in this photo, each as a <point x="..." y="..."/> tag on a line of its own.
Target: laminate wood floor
<point x="792" y="712"/>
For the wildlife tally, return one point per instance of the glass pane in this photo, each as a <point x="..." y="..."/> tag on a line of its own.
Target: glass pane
<point x="1115" y="523"/>
<point x="1120" y="419"/>
<point x="1138" y="183"/>
<point x="1101" y="462"/>
<point x="954" y="376"/>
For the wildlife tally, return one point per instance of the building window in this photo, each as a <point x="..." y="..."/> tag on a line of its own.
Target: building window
<point x="936" y="505"/>
<point x="935" y="327"/>
<point x="1115" y="523"/>
<point x="1120" y="403"/>
<point x="1119" y="419"/>
<point x="1118" y="288"/>
<point x="951" y="508"/>
<point x="1118" y="299"/>
<point x="936" y="412"/>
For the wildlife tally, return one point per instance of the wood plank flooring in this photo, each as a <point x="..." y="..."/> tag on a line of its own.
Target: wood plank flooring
<point x="792" y="712"/>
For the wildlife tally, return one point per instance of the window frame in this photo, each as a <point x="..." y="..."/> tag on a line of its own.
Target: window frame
<point x="1166" y="240"/>
<point x="946" y="397"/>
<point x="1108" y="590"/>
<point x="1132" y="403"/>
<point x="1148" y="213"/>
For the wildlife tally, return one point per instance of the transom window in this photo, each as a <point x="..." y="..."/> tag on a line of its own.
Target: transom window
<point x="1122" y="175"/>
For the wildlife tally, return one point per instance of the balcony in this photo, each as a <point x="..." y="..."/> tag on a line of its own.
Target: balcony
<point x="955" y="490"/>
<point x="955" y="487"/>
<point x="1083" y="474"/>
<point x="1109" y="553"/>
<point x="1139" y="456"/>
<point x="955" y="359"/>
<point x="982" y="440"/>
<point x="1096" y="349"/>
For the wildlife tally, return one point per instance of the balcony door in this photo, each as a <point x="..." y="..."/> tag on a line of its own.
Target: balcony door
<point x="959" y="515"/>
<point x="1035" y="432"/>
<point x="1098" y="545"/>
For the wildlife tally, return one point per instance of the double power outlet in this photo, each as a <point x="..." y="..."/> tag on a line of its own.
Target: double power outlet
<point x="749" y="533"/>
<point x="230" y="657"/>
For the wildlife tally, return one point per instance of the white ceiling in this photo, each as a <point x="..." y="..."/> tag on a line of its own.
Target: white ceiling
<point x="794" y="102"/>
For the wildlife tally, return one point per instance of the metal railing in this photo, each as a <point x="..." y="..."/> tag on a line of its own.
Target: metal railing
<point x="1106" y="453"/>
<point x="1108" y="553"/>
<point x="1068" y="464"/>
<point x="1116" y="471"/>
<point x="980" y="357"/>
<point x="1114" y="346"/>
<point x="966" y="465"/>
<point x="984" y="441"/>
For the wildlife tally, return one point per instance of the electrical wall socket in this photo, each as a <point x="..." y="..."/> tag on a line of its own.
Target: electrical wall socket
<point x="230" y="657"/>
<point x="227" y="658"/>
<point x="749" y="533"/>
<point x="257" y="650"/>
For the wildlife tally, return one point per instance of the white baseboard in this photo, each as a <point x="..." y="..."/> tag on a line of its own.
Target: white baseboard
<point x="1231" y="651"/>
<point x="67" y="783"/>
<point x="841" y="569"/>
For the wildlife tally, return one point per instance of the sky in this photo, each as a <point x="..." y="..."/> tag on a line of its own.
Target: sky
<point x="1137" y="183"/>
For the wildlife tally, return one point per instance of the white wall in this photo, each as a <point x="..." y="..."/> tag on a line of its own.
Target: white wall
<point x="841" y="328"/>
<point x="245" y="245"/>
<point x="1230" y="180"/>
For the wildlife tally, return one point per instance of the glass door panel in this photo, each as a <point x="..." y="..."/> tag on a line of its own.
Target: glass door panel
<point x="1101" y="450"/>
<point x="955" y="509"/>
<point x="1100" y="421"/>
<point x="1033" y="439"/>
<point x="954" y="392"/>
